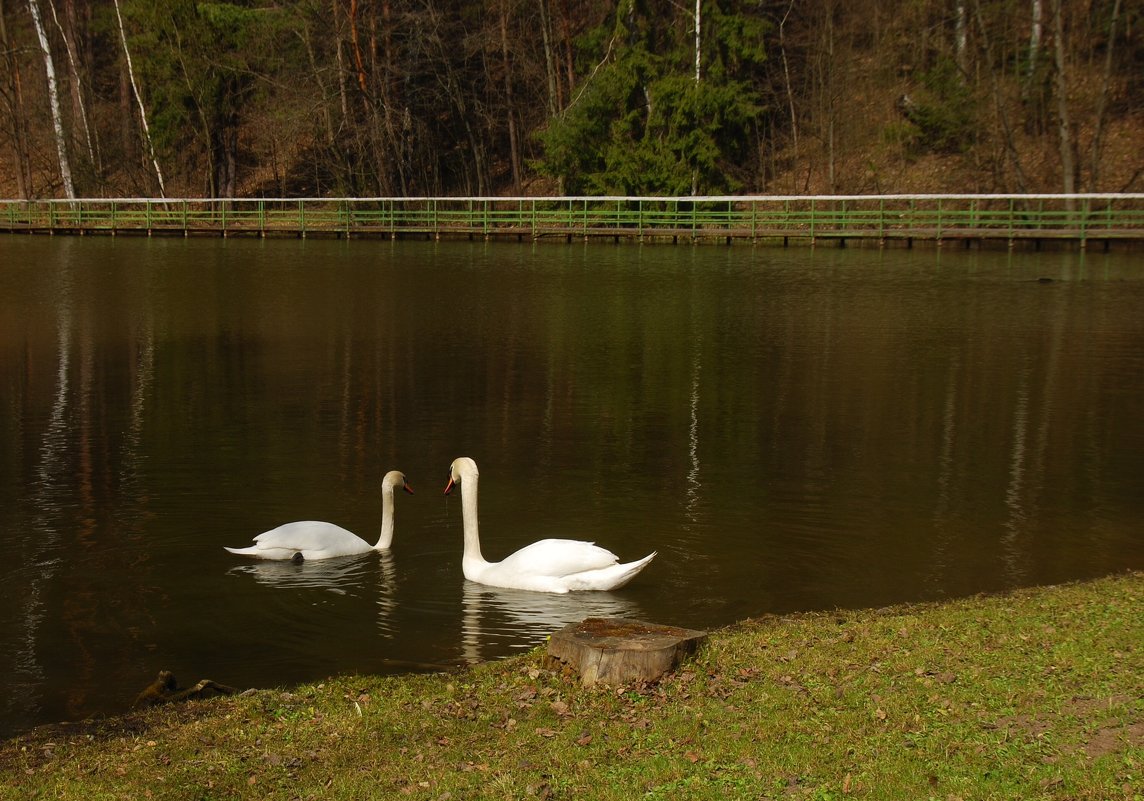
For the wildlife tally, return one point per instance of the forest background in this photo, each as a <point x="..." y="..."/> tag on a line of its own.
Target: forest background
<point x="320" y="98"/>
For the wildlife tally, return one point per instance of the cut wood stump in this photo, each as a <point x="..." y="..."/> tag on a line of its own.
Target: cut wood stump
<point x="615" y="651"/>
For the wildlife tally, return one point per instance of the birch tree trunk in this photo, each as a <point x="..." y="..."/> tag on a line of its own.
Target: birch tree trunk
<point x="698" y="77"/>
<point x="698" y="50"/>
<point x="1035" y="35"/>
<point x="139" y="103"/>
<point x="54" y="100"/>
<point x="961" y="36"/>
<point x="79" y="108"/>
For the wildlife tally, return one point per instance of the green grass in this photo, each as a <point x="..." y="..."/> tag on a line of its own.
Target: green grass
<point x="1037" y="694"/>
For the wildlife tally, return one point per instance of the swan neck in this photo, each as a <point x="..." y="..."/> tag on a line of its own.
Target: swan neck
<point x="385" y="539"/>
<point x="469" y="517"/>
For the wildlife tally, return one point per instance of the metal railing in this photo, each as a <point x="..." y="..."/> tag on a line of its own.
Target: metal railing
<point x="753" y="217"/>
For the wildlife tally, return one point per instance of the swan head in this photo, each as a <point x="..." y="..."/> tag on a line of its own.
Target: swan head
<point x="394" y="479"/>
<point x="461" y="468"/>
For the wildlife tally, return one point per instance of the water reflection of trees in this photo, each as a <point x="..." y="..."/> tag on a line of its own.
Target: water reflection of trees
<point x="79" y="498"/>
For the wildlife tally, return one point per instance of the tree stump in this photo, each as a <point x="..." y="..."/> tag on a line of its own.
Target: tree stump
<point x="615" y="651"/>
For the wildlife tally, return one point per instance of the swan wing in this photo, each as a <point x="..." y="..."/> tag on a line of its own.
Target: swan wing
<point x="554" y="557"/>
<point x="306" y="535"/>
<point x="314" y="539"/>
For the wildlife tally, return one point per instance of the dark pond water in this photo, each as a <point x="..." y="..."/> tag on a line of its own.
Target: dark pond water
<point x="791" y="430"/>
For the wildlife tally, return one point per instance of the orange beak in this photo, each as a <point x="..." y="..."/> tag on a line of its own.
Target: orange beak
<point x="449" y="486"/>
<point x="407" y="488"/>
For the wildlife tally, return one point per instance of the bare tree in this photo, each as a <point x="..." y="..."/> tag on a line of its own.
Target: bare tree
<point x="786" y="78"/>
<point x="54" y="100"/>
<point x="549" y="57"/>
<point x="11" y="92"/>
<point x="1064" y="126"/>
<point x="139" y="103"/>
<point x="1014" y="158"/>
<point x="75" y="84"/>
<point x="510" y="105"/>
<point x="827" y="83"/>
<point x="1102" y="101"/>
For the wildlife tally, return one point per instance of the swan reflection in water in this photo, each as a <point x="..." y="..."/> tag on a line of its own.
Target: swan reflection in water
<point x="347" y="576"/>
<point x="496" y="618"/>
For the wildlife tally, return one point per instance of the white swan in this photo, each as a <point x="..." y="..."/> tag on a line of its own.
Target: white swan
<point x="313" y="539"/>
<point x="545" y="566"/>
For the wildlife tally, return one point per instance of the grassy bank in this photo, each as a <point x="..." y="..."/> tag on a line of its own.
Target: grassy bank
<point x="1036" y="694"/>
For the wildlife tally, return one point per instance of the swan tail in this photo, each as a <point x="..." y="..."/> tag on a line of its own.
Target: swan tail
<point x="632" y="569"/>
<point x="610" y="578"/>
<point x="260" y="552"/>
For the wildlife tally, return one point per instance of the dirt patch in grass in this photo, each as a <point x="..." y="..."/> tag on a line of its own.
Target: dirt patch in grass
<point x="1113" y="739"/>
<point x="1106" y="738"/>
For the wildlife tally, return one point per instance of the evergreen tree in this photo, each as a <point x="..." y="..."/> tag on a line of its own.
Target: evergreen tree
<point x="201" y="64"/>
<point x="644" y="122"/>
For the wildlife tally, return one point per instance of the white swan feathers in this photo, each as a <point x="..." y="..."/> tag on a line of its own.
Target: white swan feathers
<point x="313" y="539"/>
<point x="551" y="565"/>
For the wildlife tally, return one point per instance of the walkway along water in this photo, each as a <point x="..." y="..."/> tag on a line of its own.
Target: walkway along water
<point x="1079" y="219"/>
